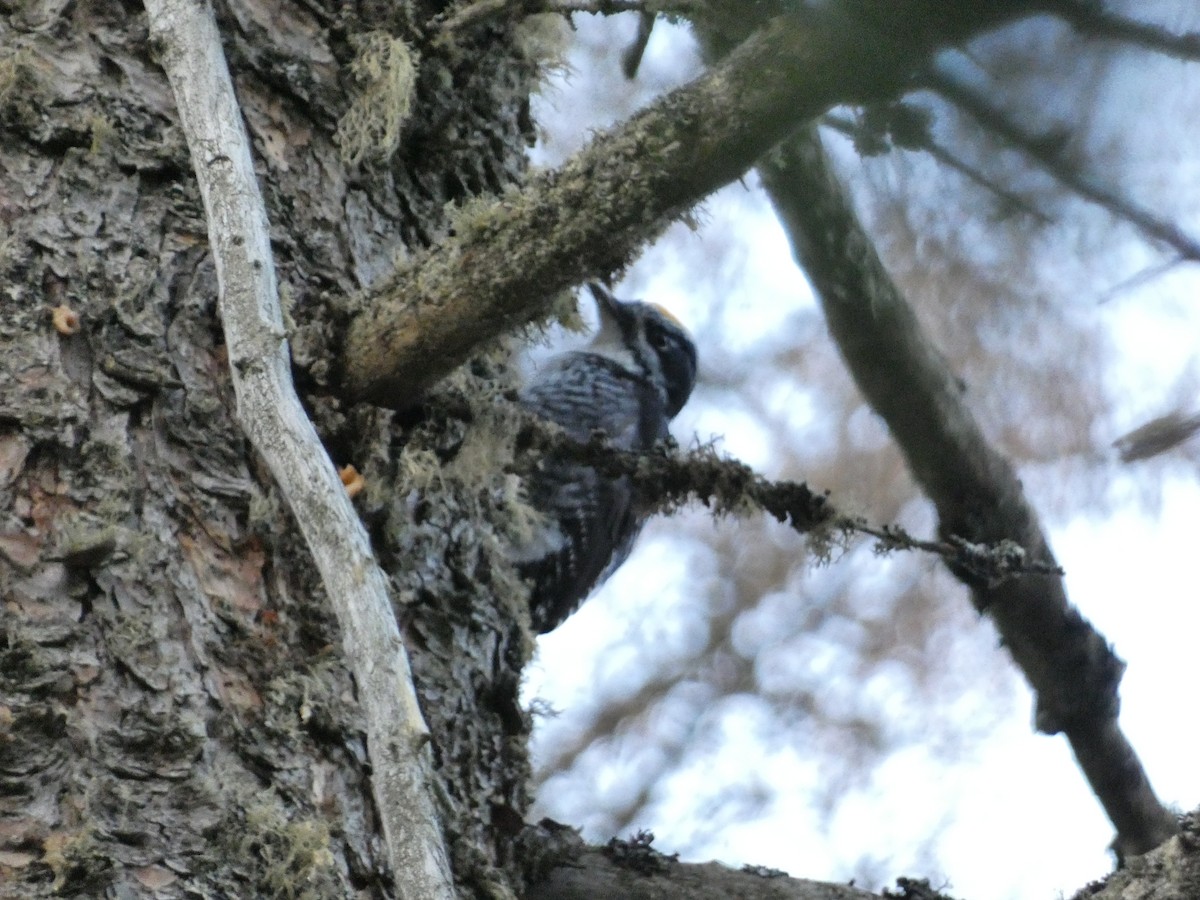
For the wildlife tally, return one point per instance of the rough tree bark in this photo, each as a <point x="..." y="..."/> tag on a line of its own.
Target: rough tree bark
<point x="179" y="716"/>
<point x="280" y="432"/>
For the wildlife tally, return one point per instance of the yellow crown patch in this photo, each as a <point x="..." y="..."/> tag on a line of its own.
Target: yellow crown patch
<point x="666" y="314"/>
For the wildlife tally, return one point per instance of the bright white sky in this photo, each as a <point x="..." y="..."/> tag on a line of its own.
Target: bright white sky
<point x="1016" y="820"/>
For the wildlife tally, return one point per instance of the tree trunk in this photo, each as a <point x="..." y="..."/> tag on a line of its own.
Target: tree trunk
<point x="177" y="713"/>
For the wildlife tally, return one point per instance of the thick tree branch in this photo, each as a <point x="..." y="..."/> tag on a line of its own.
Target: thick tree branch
<point x="1173" y="870"/>
<point x="978" y="496"/>
<point x="634" y="870"/>
<point x="1045" y="150"/>
<point x="510" y="254"/>
<point x="270" y="413"/>
<point x="1092" y="19"/>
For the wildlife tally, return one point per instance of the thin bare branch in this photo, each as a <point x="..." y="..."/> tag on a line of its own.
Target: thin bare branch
<point x="1092" y="19"/>
<point x="1157" y="436"/>
<point x="631" y="56"/>
<point x="1044" y="149"/>
<point x="928" y="144"/>
<point x="1139" y="279"/>
<point x="271" y="415"/>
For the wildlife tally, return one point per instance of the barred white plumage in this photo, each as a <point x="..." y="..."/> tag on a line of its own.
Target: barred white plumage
<point x="629" y="383"/>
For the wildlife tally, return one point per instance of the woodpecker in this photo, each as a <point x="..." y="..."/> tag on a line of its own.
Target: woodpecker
<point x="629" y="382"/>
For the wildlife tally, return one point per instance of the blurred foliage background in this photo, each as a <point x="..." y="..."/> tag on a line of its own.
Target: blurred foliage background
<point x="854" y="718"/>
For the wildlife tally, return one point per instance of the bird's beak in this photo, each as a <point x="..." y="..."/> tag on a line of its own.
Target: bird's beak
<point x="612" y="314"/>
<point x="608" y="306"/>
